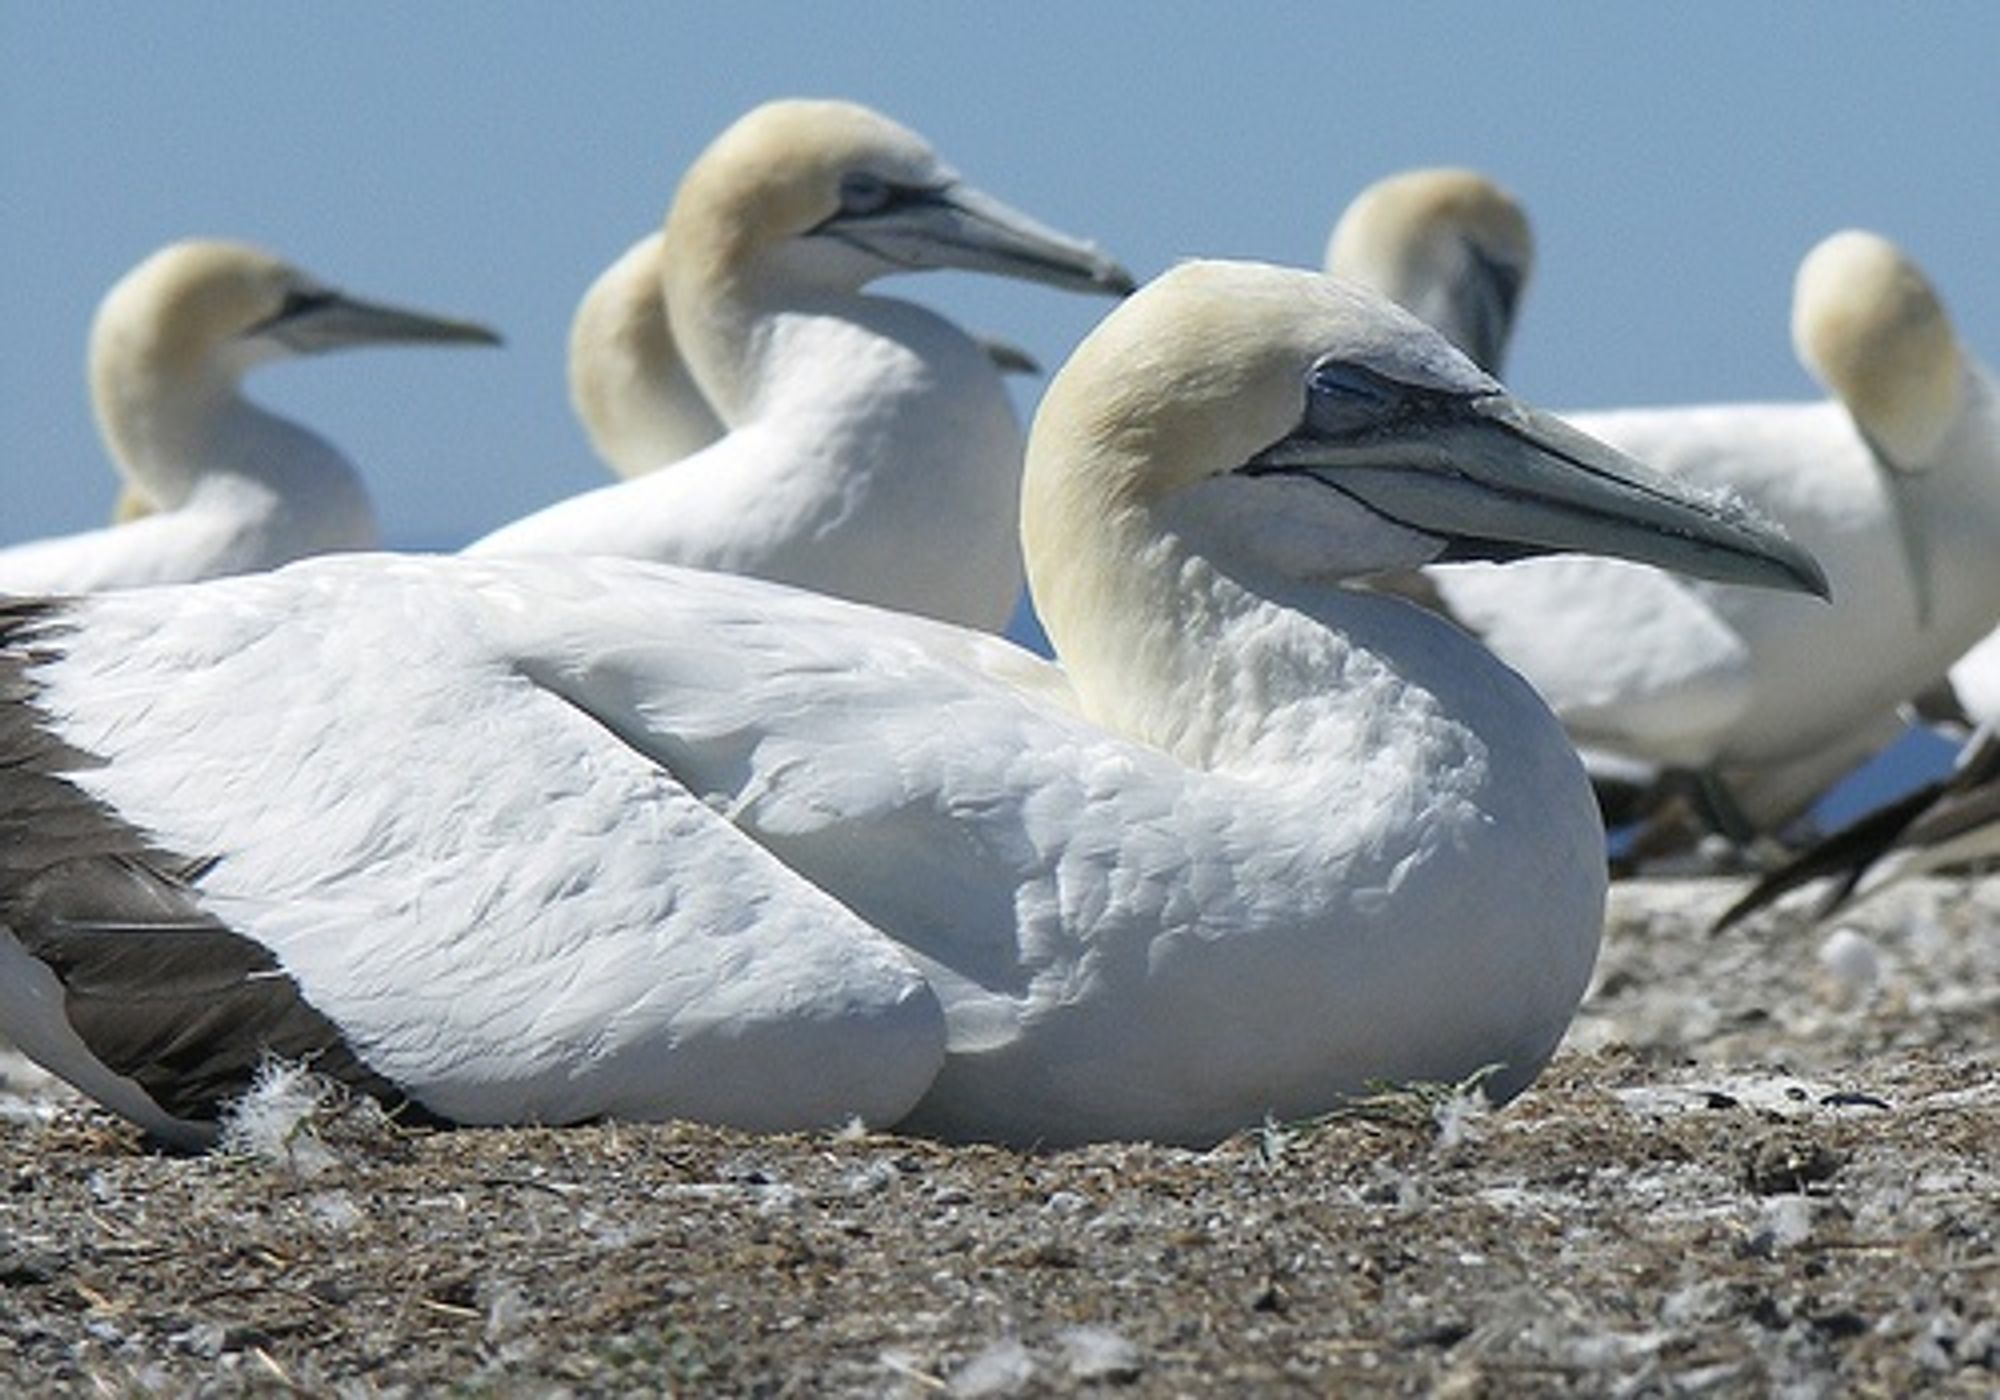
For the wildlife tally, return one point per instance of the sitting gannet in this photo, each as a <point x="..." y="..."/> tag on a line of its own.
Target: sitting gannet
<point x="871" y="452"/>
<point x="1894" y="485"/>
<point x="631" y="390"/>
<point x="595" y="837"/>
<point x="236" y="488"/>
<point x="1447" y="244"/>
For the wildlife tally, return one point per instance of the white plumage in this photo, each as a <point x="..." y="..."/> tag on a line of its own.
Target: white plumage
<point x="628" y="383"/>
<point x="547" y="839"/>
<point x="1894" y="485"/>
<point x="230" y="487"/>
<point x="871" y="451"/>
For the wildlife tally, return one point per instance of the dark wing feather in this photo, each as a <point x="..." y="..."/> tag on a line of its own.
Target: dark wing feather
<point x="1927" y="816"/>
<point x="158" y="988"/>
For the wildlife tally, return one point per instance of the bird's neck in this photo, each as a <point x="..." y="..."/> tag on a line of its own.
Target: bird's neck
<point x="782" y="350"/>
<point x="1220" y="671"/>
<point x="1957" y="463"/>
<point x="738" y="321"/>
<point x="162" y="427"/>
<point x="1975" y="433"/>
<point x="628" y="383"/>
<point x="174" y="437"/>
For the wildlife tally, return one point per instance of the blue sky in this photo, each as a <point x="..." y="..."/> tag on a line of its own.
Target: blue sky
<point x="487" y="160"/>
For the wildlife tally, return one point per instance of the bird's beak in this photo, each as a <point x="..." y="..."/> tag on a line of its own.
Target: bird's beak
<point x="957" y="226"/>
<point x="1910" y="533"/>
<point x="311" y="323"/>
<point x="1916" y="544"/>
<point x="1478" y="316"/>
<point x="1007" y="357"/>
<point x="1497" y="480"/>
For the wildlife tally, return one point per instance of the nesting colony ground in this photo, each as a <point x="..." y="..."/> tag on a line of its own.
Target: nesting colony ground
<point x="1767" y="1162"/>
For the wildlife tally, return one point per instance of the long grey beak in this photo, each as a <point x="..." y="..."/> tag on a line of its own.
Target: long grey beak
<point x="1910" y="533"/>
<point x="1916" y="544"/>
<point x="313" y="322"/>
<point x="957" y="226"/>
<point x="1475" y="307"/>
<point x="1498" y="480"/>
<point x="1006" y="356"/>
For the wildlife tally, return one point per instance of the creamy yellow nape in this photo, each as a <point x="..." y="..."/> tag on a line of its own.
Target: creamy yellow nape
<point x="730" y="254"/>
<point x="863" y="446"/>
<point x="628" y="384"/>
<point x="211" y="483"/>
<point x="132" y="504"/>
<point x="1867" y="322"/>
<point x="1145" y="409"/>
<point x="168" y="341"/>
<point x="1447" y="244"/>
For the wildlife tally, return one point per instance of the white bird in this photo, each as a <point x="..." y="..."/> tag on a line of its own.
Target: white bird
<point x="1447" y="244"/>
<point x="1894" y="484"/>
<point x="872" y="452"/>
<point x="546" y="840"/>
<point x="236" y="488"/>
<point x="629" y="386"/>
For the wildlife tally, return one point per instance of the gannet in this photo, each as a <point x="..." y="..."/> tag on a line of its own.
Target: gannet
<point x="1894" y="484"/>
<point x="872" y="452"/>
<point x="1449" y="245"/>
<point x="638" y="404"/>
<point x="553" y="839"/>
<point x="237" y="488"/>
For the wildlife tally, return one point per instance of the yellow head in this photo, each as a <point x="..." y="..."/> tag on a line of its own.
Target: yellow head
<point x="1867" y="323"/>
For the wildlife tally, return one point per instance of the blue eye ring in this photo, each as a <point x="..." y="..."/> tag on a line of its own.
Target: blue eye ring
<point x="1343" y="380"/>
<point x="863" y="192"/>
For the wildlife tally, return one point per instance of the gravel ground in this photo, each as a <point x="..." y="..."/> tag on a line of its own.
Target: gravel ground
<point x="1766" y="1162"/>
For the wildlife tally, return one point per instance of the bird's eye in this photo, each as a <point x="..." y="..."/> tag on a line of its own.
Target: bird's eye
<point x="300" y="300"/>
<point x="297" y="302"/>
<point x="863" y="193"/>
<point x="1343" y="382"/>
<point x="1343" y="399"/>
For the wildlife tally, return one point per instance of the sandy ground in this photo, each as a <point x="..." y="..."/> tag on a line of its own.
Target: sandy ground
<point x="1766" y="1163"/>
